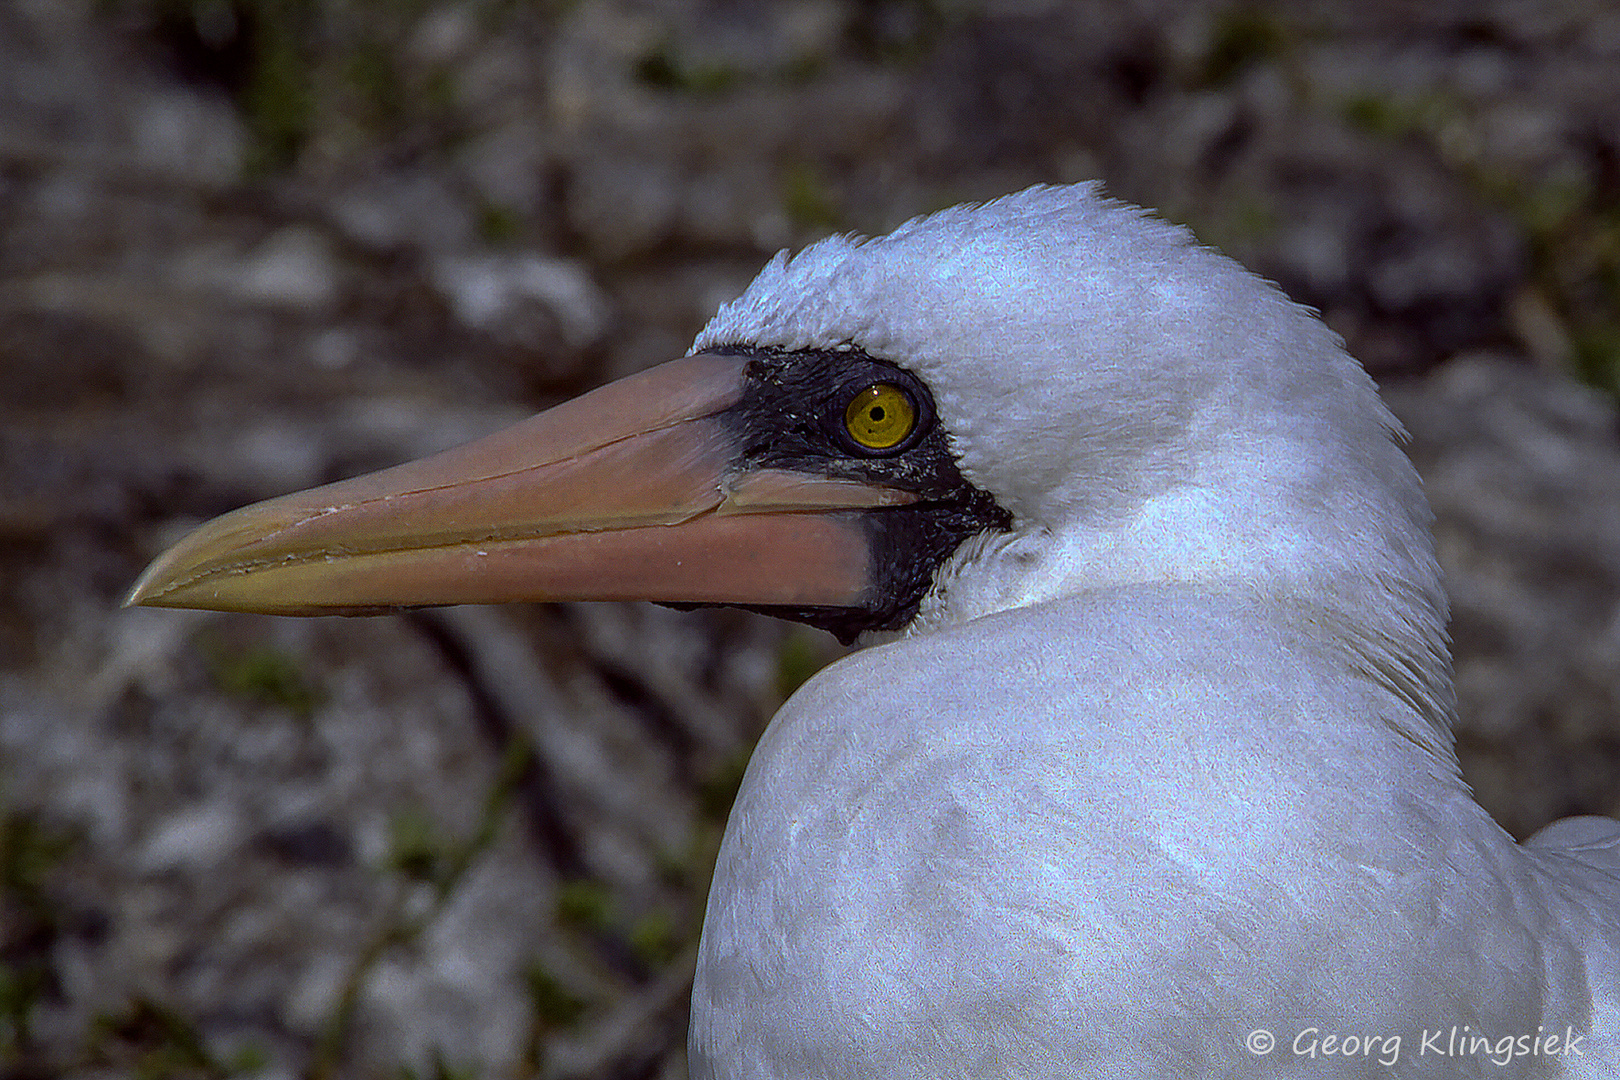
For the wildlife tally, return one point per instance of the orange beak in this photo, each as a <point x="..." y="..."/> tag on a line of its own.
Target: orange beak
<point x="631" y="492"/>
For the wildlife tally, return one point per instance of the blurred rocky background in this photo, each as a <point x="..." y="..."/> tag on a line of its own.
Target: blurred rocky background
<point x="252" y="245"/>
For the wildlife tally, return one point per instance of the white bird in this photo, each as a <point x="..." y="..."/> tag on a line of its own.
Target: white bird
<point x="1152" y="773"/>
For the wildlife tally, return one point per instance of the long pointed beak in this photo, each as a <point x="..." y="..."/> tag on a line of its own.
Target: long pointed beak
<point x="630" y="492"/>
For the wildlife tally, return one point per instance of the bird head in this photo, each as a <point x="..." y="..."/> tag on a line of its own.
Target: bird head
<point x="989" y="407"/>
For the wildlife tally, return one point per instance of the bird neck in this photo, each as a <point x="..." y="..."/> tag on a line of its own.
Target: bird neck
<point x="1382" y="611"/>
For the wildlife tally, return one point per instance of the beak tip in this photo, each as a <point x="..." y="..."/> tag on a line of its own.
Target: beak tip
<point x="159" y="585"/>
<point x="146" y="592"/>
<point x="140" y="592"/>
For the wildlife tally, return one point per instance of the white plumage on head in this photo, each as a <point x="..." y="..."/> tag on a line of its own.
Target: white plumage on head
<point x="1147" y="409"/>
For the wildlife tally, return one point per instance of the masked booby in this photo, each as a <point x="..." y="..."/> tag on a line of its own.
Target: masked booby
<point x="1152" y="775"/>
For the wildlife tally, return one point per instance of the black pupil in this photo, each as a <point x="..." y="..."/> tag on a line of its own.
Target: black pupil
<point x="877" y="414"/>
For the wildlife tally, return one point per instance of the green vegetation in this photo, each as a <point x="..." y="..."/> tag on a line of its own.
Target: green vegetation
<point x="808" y="200"/>
<point x="22" y="984"/>
<point x="278" y="99"/>
<point x="1241" y="37"/>
<point x="902" y="31"/>
<point x="1575" y="264"/>
<point x="142" y="1038"/>
<point x="29" y="850"/>
<point x="1426" y="116"/>
<point x="308" y="71"/>
<point x="655" y="939"/>
<point x="801" y="655"/>
<point x="30" y="921"/>
<point x="421" y="854"/>
<point x="499" y="226"/>
<point x="440" y="1069"/>
<point x="1571" y="223"/>
<point x="416" y="848"/>
<point x="663" y="69"/>
<point x="584" y="905"/>
<point x="150" y="1041"/>
<point x="262" y="674"/>
<point x="718" y="790"/>
<point x="554" y="1006"/>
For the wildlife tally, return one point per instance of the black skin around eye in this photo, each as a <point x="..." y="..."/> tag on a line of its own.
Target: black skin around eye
<point x="792" y="416"/>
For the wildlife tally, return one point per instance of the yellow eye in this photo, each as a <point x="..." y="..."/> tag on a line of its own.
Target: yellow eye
<point x="880" y="417"/>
